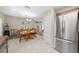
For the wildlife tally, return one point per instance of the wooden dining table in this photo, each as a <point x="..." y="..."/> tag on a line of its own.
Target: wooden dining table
<point x="26" y="34"/>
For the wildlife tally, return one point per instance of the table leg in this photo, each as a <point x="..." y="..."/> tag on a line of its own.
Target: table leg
<point x="20" y="39"/>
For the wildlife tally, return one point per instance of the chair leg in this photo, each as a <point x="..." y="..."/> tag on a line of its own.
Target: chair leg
<point x="26" y="38"/>
<point x="20" y="40"/>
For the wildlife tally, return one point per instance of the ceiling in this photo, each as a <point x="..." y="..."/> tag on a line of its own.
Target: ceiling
<point x="21" y="11"/>
<point x="30" y="11"/>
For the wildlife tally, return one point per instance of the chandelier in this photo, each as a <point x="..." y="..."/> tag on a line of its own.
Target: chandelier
<point x="28" y="19"/>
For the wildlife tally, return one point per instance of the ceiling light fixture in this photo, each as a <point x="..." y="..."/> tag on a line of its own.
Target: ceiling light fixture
<point x="28" y="19"/>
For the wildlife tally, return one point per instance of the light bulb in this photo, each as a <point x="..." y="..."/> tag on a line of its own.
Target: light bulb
<point x="27" y="19"/>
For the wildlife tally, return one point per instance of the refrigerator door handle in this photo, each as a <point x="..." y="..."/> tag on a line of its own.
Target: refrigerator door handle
<point x="63" y="27"/>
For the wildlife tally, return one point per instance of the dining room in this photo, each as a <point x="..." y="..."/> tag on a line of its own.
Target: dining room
<point x="25" y="36"/>
<point x="28" y="29"/>
<point x="22" y="28"/>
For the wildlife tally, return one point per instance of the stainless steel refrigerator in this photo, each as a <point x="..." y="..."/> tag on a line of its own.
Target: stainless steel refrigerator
<point x="66" y="32"/>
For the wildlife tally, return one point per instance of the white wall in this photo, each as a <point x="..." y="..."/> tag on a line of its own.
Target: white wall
<point x="1" y="24"/>
<point x="49" y="24"/>
<point x="17" y="23"/>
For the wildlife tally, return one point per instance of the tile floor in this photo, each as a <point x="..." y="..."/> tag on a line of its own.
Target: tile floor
<point x="36" y="45"/>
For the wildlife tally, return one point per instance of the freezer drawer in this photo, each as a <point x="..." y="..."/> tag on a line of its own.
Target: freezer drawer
<point x="64" y="46"/>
